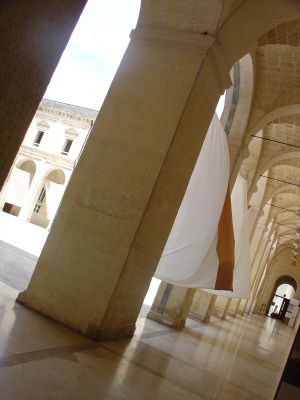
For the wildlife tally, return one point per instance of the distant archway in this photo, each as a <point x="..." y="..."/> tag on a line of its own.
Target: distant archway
<point x="285" y="288"/>
<point x="49" y="198"/>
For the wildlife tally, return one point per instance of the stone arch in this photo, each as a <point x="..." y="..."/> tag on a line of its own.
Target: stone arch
<point x="268" y="118"/>
<point x="272" y="162"/>
<point x="243" y="38"/>
<point x="236" y="27"/>
<point x="279" y="250"/>
<point x="289" y="222"/>
<point x="283" y="34"/>
<point x="278" y="190"/>
<point x="278" y="159"/>
<point x="56" y="175"/>
<point x="284" y="279"/>
<point x="287" y="240"/>
<point x="291" y="206"/>
<point x="28" y="166"/>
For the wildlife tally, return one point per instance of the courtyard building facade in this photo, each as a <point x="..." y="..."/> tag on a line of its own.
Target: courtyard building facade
<point x="45" y="161"/>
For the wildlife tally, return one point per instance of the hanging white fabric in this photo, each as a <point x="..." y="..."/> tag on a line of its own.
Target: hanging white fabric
<point x="18" y="186"/>
<point x="54" y="193"/>
<point x="190" y="257"/>
<point x="242" y="267"/>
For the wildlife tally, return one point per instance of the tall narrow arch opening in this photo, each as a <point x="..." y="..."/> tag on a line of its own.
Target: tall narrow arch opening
<point x="21" y="177"/>
<point x="48" y="198"/>
<point x="284" y="290"/>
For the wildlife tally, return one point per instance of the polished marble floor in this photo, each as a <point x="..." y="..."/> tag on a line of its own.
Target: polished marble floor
<point x="241" y="358"/>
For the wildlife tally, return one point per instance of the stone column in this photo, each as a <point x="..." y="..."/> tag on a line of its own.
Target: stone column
<point x="124" y="194"/>
<point x="226" y="309"/>
<point x="171" y="305"/>
<point x="261" y="251"/>
<point x="210" y="309"/>
<point x="33" y="35"/>
<point x="202" y="306"/>
<point x="253" y="218"/>
<point x="261" y="279"/>
<point x="258" y="276"/>
<point x="256" y="241"/>
<point x="260" y="292"/>
<point x="241" y="307"/>
<point x="237" y="308"/>
<point x="174" y="305"/>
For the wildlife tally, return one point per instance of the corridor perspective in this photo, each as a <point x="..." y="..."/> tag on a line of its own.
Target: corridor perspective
<point x="241" y="358"/>
<point x="152" y="186"/>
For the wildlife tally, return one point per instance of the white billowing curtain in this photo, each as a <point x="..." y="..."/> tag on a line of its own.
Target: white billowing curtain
<point x="54" y="193"/>
<point x="18" y="186"/>
<point x="190" y="256"/>
<point x="242" y="267"/>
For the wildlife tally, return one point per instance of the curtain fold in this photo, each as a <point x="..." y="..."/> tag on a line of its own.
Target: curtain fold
<point x="190" y="257"/>
<point x="242" y="267"/>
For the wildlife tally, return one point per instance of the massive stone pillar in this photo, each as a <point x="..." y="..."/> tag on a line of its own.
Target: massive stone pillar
<point x="33" y="35"/>
<point x="124" y="194"/>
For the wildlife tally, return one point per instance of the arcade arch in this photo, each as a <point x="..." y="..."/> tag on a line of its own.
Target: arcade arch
<point x="28" y="166"/>
<point x="48" y="197"/>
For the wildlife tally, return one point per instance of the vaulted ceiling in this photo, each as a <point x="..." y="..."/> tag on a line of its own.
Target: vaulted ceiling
<point x="274" y="150"/>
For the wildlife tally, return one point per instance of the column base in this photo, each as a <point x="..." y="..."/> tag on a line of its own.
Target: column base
<point x="164" y="320"/>
<point x="98" y="333"/>
<point x="110" y="332"/>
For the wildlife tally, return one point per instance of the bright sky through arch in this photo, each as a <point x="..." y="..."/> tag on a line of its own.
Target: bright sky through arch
<point x="94" y="52"/>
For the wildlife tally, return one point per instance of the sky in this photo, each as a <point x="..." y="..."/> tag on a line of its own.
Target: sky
<point x="94" y="52"/>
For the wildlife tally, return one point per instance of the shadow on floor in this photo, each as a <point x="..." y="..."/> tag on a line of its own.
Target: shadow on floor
<point x="16" y="266"/>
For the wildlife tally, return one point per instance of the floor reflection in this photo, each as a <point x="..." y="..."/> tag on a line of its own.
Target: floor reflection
<point x="241" y="358"/>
